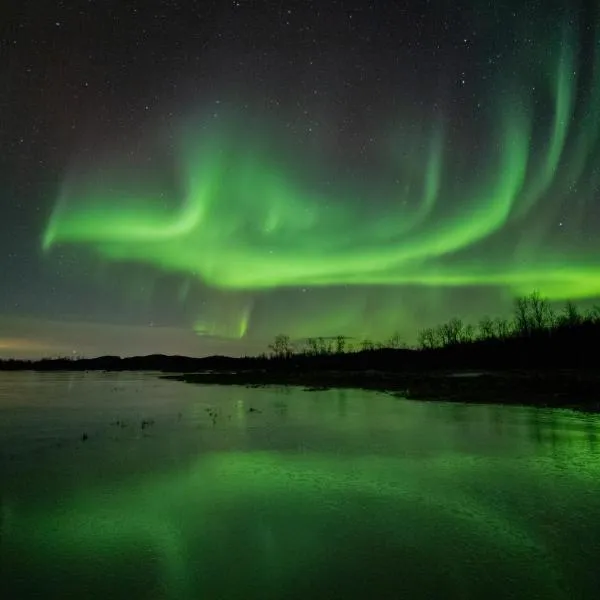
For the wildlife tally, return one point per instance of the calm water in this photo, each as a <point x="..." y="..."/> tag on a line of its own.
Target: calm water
<point x="280" y="493"/>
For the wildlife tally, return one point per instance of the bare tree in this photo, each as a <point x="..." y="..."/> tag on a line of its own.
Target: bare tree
<point x="533" y="314"/>
<point x="340" y="344"/>
<point x="312" y="346"/>
<point x="450" y="333"/>
<point x="502" y="328"/>
<point x="542" y="315"/>
<point x="281" y="346"/>
<point x="593" y="314"/>
<point x="522" y="322"/>
<point x="395" y="341"/>
<point x="324" y="346"/>
<point x="367" y="345"/>
<point x="427" y="338"/>
<point x="467" y="333"/>
<point x="570" y="316"/>
<point x="486" y="328"/>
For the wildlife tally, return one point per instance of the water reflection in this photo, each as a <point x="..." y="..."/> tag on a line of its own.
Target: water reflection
<point x="252" y="493"/>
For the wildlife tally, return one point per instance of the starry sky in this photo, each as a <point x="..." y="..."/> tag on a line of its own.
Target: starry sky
<point x="195" y="177"/>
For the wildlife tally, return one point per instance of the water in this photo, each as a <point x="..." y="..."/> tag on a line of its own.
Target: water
<point x="128" y="486"/>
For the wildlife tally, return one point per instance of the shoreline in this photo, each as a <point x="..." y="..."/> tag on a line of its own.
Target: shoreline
<point x="572" y="389"/>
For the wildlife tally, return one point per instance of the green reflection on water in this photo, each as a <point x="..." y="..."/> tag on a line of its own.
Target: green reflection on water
<point x="333" y="494"/>
<point x="266" y="525"/>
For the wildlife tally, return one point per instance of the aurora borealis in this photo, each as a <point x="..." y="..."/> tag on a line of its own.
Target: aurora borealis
<point x="349" y="169"/>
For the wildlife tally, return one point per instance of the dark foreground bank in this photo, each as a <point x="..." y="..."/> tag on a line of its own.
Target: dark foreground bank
<point x="575" y="389"/>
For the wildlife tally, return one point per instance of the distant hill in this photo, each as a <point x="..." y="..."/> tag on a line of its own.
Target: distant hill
<point x="545" y="350"/>
<point x="152" y="362"/>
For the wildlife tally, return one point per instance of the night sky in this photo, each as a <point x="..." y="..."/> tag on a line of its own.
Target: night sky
<point x="196" y="177"/>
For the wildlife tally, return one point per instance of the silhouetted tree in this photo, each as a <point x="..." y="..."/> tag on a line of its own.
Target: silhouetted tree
<point x="427" y="338"/>
<point x="340" y="344"/>
<point x="486" y="328"/>
<point x="451" y="333"/>
<point x="592" y="315"/>
<point x="570" y="316"/>
<point x="542" y="314"/>
<point x="522" y="321"/>
<point x="367" y="345"/>
<point x="394" y="341"/>
<point x="532" y="314"/>
<point x="312" y="346"/>
<point x="281" y="346"/>
<point x="502" y="328"/>
<point x="467" y="333"/>
<point x="324" y="346"/>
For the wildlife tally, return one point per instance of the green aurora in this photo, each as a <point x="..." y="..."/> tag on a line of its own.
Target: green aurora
<point x="253" y="213"/>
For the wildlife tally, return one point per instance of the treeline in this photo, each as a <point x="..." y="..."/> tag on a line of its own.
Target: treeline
<point x="535" y="335"/>
<point x="283" y="347"/>
<point x="533" y="317"/>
